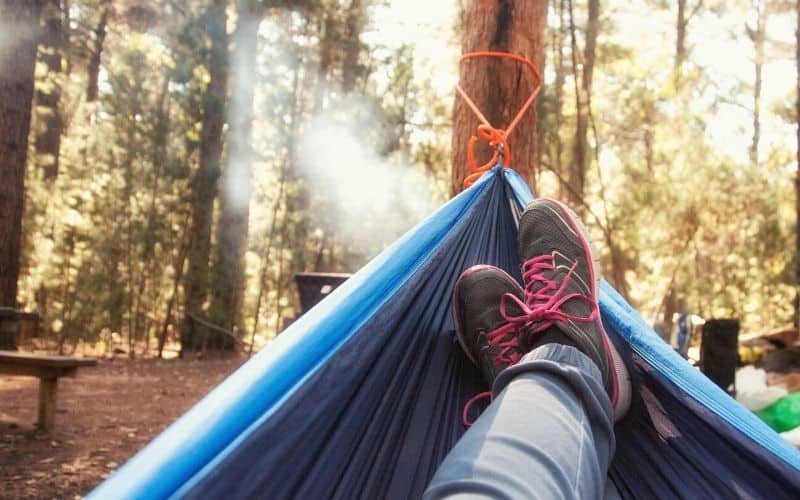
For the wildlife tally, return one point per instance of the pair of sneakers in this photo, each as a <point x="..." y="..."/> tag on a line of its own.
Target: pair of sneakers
<point x="498" y="321"/>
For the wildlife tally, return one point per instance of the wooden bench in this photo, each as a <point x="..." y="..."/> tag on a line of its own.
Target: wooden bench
<point x="47" y="369"/>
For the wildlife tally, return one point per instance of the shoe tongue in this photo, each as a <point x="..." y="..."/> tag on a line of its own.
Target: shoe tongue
<point x="553" y="276"/>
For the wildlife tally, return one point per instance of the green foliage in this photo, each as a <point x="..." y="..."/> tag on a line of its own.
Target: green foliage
<point x="106" y="239"/>
<point x="686" y="213"/>
<point x="351" y="141"/>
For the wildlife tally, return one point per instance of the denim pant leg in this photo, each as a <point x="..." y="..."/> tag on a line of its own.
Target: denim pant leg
<point x="549" y="433"/>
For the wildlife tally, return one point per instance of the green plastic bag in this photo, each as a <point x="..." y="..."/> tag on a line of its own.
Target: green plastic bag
<point x="784" y="414"/>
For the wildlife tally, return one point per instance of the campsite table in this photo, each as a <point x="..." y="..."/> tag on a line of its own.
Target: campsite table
<point x="47" y="369"/>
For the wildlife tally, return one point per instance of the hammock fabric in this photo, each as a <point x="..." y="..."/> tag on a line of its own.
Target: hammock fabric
<point x="361" y="397"/>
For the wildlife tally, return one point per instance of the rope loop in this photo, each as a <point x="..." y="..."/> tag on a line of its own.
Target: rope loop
<point x="497" y="138"/>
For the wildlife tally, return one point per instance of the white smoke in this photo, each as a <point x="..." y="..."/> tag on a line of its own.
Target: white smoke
<point x="372" y="200"/>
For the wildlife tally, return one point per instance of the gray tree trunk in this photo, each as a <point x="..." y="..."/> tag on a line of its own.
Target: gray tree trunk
<point x="17" y="60"/>
<point x="237" y="179"/>
<point x="193" y="335"/>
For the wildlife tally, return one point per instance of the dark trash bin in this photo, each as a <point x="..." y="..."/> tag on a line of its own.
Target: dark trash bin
<point x="719" y="351"/>
<point x="313" y="287"/>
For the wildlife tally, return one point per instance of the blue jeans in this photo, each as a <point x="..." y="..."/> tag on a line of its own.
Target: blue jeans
<point x="549" y="433"/>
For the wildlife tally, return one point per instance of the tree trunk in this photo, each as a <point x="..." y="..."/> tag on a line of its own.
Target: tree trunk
<point x="591" y="45"/>
<point x="670" y="308"/>
<point x="193" y="335"/>
<point x="149" y="267"/>
<point x="681" y="31"/>
<point x="499" y="87"/>
<point x="127" y="198"/>
<point x="797" y="174"/>
<point x="758" y="36"/>
<point x="178" y="267"/>
<point x="17" y="58"/>
<point x="354" y="24"/>
<point x="289" y="132"/>
<point x="680" y="42"/>
<point x="48" y="98"/>
<point x="66" y="292"/>
<point x="279" y="281"/>
<point x="237" y="181"/>
<point x="327" y="30"/>
<point x="580" y="148"/>
<point x="560" y="79"/>
<point x="97" y="51"/>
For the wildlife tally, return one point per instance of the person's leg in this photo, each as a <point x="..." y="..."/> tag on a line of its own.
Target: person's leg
<point x="549" y="433"/>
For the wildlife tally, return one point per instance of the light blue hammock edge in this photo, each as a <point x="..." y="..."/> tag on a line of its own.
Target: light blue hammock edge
<point x="243" y="400"/>
<point x="202" y="437"/>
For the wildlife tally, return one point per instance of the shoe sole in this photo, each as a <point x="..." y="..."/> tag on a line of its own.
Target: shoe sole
<point x="457" y="308"/>
<point x="621" y="399"/>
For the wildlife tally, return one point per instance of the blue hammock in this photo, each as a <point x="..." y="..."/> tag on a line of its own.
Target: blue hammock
<point x="361" y="397"/>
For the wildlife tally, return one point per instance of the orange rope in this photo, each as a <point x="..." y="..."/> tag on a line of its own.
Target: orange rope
<point x="496" y="137"/>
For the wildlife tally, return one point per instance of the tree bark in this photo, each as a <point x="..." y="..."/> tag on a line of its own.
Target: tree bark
<point x="66" y="303"/>
<point x="237" y="179"/>
<point x="48" y="98"/>
<point x="680" y="42"/>
<point x="797" y="174"/>
<point x="355" y="20"/>
<point x="560" y="79"/>
<point x="591" y="45"/>
<point x="758" y="37"/>
<point x="178" y="267"/>
<point x="193" y="335"/>
<point x="97" y="51"/>
<point x="17" y="58"/>
<point x="583" y="92"/>
<point x="681" y="29"/>
<point x="499" y="87"/>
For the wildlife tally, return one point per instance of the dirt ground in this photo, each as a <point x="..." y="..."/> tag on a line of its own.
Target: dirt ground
<point x="105" y="415"/>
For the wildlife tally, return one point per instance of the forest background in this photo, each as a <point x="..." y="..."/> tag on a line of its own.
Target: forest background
<point x="187" y="157"/>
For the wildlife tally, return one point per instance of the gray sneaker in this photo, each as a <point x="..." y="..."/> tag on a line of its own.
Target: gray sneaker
<point x="483" y="300"/>
<point x="561" y="275"/>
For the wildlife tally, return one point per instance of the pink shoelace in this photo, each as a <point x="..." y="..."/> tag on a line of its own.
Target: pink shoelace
<point x="541" y="307"/>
